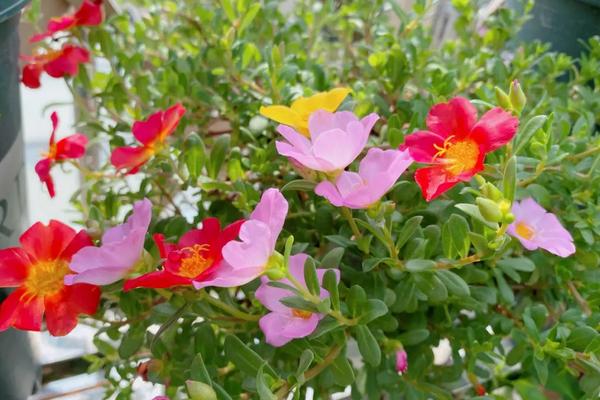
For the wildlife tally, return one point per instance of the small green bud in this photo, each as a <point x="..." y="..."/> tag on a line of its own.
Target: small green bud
<point x="275" y="268"/>
<point x="509" y="218"/>
<point x="517" y="96"/>
<point x="491" y="192"/>
<point x="489" y="209"/>
<point x="502" y="99"/>
<point x="200" y="391"/>
<point x="374" y="210"/>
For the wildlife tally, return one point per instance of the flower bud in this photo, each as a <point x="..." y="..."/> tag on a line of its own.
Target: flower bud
<point x="489" y="209"/>
<point x="275" y="269"/>
<point x="509" y="218"/>
<point x="502" y="99"/>
<point x="200" y="391"/>
<point x="517" y="96"/>
<point x="401" y="361"/>
<point x="491" y="192"/>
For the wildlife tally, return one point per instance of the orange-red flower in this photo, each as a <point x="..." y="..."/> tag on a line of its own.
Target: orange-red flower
<point x="56" y="63"/>
<point x="89" y="14"/>
<point x="457" y="143"/>
<point x="71" y="147"/>
<point x="37" y="270"/>
<point x="152" y="134"/>
<point x="195" y="258"/>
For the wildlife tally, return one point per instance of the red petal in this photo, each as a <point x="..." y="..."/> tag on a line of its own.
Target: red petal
<point x="210" y="231"/>
<point x="21" y="311"/>
<point x="54" y="119"/>
<point x="81" y="240"/>
<point x="31" y="75"/>
<point x="147" y="131"/>
<point x="456" y="117"/>
<point x="89" y="13"/>
<point x="71" y="147"/>
<point x="14" y="266"/>
<point x="171" y="119"/>
<point x="42" y="168"/>
<point x="495" y="128"/>
<point x="63" y="308"/>
<point x="434" y="181"/>
<point x="54" y="25"/>
<point x="156" y="280"/>
<point x="164" y="248"/>
<point x="130" y="158"/>
<point x="231" y="232"/>
<point x="67" y="63"/>
<point x="46" y="242"/>
<point x="421" y="145"/>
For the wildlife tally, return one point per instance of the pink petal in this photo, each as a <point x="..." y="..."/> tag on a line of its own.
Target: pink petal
<point x="254" y="249"/>
<point x="300" y="142"/>
<point x="329" y="191"/>
<point x="225" y="275"/>
<point x="456" y="117"/>
<point x="338" y="148"/>
<point x="271" y="210"/>
<point x="322" y="121"/>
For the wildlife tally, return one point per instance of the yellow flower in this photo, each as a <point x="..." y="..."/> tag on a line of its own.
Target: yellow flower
<point x="297" y="114"/>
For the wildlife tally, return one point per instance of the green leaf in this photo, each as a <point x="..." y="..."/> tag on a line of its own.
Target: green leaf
<point x="299" y="303"/>
<point x="372" y="309"/>
<point x="343" y="373"/>
<point x="413" y="337"/>
<point x="132" y="340"/>
<point x="264" y="392"/>
<point x="310" y="277"/>
<point x="195" y="155"/>
<point x="198" y="371"/>
<point x="355" y="299"/>
<point x="246" y="359"/>
<point x="473" y="211"/>
<point x="420" y="265"/>
<point x="249" y="17"/>
<point x="221" y="393"/>
<point x="218" y="154"/>
<point x="301" y="185"/>
<point x="581" y="337"/>
<point x="333" y="258"/>
<point x="367" y="345"/>
<point x="407" y="231"/>
<point x="518" y="263"/>
<point x="229" y="10"/>
<point x="509" y="182"/>
<point x="529" y="129"/>
<point x="330" y="283"/>
<point x="541" y="368"/>
<point x="454" y="283"/>
<point x="306" y="359"/>
<point x="327" y="324"/>
<point x="505" y="291"/>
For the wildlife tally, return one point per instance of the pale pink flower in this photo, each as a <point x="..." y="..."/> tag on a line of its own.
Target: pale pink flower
<point x="537" y="228"/>
<point x="283" y="323"/>
<point x="245" y="260"/>
<point x="121" y="248"/>
<point x="336" y="139"/>
<point x="377" y="173"/>
<point x="401" y="361"/>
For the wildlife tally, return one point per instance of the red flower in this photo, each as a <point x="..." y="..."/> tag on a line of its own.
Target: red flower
<point x="456" y="143"/>
<point x="37" y="269"/>
<point x="152" y="134"/>
<point x="196" y="257"/>
<point x="56" y="63"/>
<point x="89" y="14"/>
<point x="71" y="147"/>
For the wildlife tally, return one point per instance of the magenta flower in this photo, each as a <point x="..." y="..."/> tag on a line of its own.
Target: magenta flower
<point x="401" y="361"/>
<point x="247" y="259"/>
<point x="535" y="227"/>
<point x="336" y="139"/>
<point x="377" y="173"/>
<point x="283" y="323"/>
<point x="121" y="248"/>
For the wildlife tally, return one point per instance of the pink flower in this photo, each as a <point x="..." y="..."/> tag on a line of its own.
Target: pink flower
<point x="535" y="227"/>
<point x="283" y="323"/>
<point x="377" y="173"/>
<point x="336" y="139"/>
<point x="245" y="260"/>
<point x="401" y="361"/>
<point x="121" y="248"/>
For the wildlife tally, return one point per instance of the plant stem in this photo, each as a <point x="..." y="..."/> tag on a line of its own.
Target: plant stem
<point x="584" y="154"/>
<point x="229" y="309"/>
<point x="347" y="213"/>
<point x="163" y="328"/>
<point x="585" y="307"/>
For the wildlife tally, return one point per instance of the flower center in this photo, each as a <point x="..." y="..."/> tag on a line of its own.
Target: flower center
<point x="524" y="230"/>
<point x="46" y="277"/>
<point x="301" y="313"/>
<point x="459" y="156"/>
<point x="194" y="262"/>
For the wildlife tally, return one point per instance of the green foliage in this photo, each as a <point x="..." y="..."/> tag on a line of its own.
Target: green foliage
<point x="415" y="272"/>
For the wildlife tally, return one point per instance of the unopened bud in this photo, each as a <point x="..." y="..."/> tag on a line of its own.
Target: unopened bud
<point x="489" y="209"/>
<point x="200" y="391"/>
<point x="509" y="218"/>
<point x="491" y="192"/>
<point x="401" y="361"/>
<point x="517" y="96"/>
<point x="502" y="99"/>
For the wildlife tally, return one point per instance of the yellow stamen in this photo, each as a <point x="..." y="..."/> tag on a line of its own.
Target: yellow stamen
<point x="301" y="313"/>
<point x="524" y="230"/>
<point x="46" y="278"/>
<point x="194" y="262"/>
<point x="459" y="156"/>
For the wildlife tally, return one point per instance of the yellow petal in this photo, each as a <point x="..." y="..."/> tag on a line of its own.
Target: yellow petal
<point x="328" y="101"/>
<point x="287" y="116"/>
